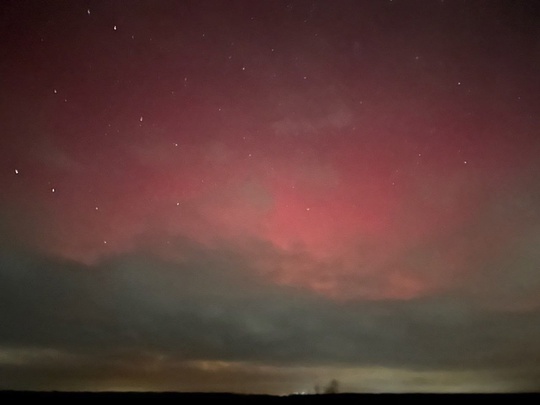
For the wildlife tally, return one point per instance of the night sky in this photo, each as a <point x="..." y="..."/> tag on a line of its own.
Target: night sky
<point x="262" y="196"/>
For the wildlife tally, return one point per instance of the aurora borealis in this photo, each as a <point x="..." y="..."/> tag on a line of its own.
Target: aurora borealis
<point x="262" y="196"/>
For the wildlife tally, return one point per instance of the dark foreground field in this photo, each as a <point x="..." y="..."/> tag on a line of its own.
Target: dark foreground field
<point x="170" y="397"/>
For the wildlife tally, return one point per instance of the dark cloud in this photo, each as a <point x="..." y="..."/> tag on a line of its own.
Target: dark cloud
<point x="135" y="316"/>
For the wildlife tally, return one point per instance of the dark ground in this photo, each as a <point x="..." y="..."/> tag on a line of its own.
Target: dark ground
<point x="213" y="398"/>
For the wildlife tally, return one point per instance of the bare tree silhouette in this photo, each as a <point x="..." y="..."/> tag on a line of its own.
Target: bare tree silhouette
<point x="332" y="387"/>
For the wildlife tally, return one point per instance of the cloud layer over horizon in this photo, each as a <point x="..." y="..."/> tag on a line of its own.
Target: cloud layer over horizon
<point x="135" y="321"/>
